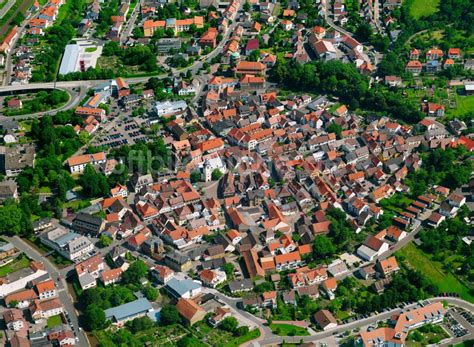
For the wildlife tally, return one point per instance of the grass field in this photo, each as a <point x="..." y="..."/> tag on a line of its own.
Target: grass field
<point x="16" y="265"/>
<point x="433" y="270"/>
<point x="396" y="203"/>
<point x="288" y="330"/>
<point x="464" y="104"/>
<point x="54" y="321"/>
<point x="423" y="8"/>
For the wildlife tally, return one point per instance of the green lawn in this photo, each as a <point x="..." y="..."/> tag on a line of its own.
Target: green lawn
<point x="423" y="8"/>
<point x="426" y="335"/>
<point x="54" y="321"/>
<point x="396" y="203"/>
<point x="433" y="270"/>
<point x="77" y="204"/>
<point x="16" y="265"/>
<point x="288" y="330"/>
<point x="235" y="342"/>
<point x="469" y="343"/>
<point x="464" y="104"/>
<point x="63" y="12"/>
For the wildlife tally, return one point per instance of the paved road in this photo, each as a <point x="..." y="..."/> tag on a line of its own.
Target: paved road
<point x="64" y="295"/>
<point x="131" y="23"/>
<point x="74" y="100"/>
<point x="6" y="8"/>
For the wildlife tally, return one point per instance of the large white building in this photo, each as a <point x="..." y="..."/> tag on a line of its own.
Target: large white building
<point x="67" y="243"/>
<point x="170" y="107"/>
<point x="80" y="56"/>
<point x="78" y="163"/>
<point x="212" y="164"/>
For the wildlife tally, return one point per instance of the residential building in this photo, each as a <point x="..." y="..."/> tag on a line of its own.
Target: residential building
<point x="16" y="158"/>
<point x="14" y="319"/>
<point x="41" y="310"/>
<point x="18" y="280"/>
<point x="46" y="290"/>
<point x="69" y="244"/>
<point x="190" y="311"/>
<point x="325" y="320"/>
<point x="78" y="163"/>
<point x="212" y="278"/>
<point x="88" y="224"/>
<point x="185" y="288"/>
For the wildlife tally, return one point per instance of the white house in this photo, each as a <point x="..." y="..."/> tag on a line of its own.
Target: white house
<point x="212" y="278"/>
<point x="36" y="270"/>
<point x="44" y="309"/>
<point x="78" y="163"/>
<point x="14" y="319"/>
<point x="372" y="248"/>
<point x="183" y="288"/>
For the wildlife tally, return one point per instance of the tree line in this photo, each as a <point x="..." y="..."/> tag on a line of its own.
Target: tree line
<point x="347" y="84"/>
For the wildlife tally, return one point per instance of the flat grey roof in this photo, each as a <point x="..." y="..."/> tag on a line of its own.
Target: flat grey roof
<point x="128" y="310"/>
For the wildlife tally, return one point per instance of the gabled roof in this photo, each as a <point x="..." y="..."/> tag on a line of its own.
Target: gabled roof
<point x="188" y="308"/>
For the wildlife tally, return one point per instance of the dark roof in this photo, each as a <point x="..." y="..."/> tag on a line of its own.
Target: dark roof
<point x="237" y="285"/>
<point x="88" y="218"/>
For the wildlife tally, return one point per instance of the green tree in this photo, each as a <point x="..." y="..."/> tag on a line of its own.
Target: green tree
<point x="364" y="31"/>
<point x="150" y="293"/>
<point x="246" y="6"/>
<point x="323" y="247"/>
<point x="94" y="317"/>
<point x="228" y="269"/>
<point x="169" y="315"/>
<point x="241" y="331"/>
<point x="118" y="175"/>
<point x="105" y="241"/>
<point x="229" y="324"/>
<point x="216" y="174"/>
<point x="195" y="176"/>
<point x="140" y="324"/>
<point x="189" y="341"/>
<point x="135" y="272"/>
<point x="93" y="184"/>
<point x="10" y="218"/>
<point x="335" y="128"/>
